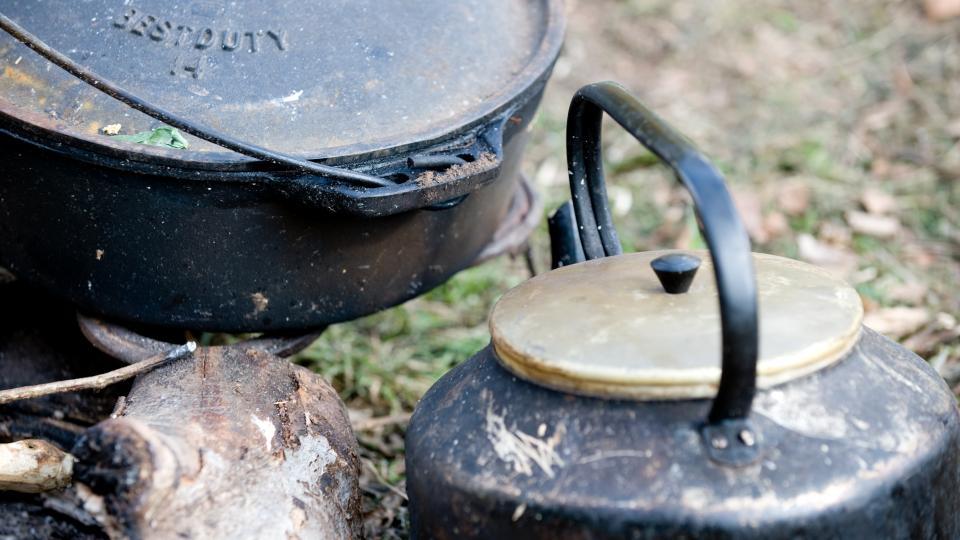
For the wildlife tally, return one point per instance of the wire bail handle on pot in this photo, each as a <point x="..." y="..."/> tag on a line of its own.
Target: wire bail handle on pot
<point x="333" y="188"/>
<point x="728" y="436"/>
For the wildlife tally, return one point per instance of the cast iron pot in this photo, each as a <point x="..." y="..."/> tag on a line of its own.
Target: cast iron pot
<point x="395" y="133"/>
<point x="590" y="414"/>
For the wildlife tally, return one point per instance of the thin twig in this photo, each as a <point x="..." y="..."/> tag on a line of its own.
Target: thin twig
<point x="531" y="260"/>
<point x="382" y="480"/>
<point x="368" y="424"/>
<point x="97" y="382"/>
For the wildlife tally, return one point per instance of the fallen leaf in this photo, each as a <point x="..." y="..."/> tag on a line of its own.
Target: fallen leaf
<point x="876" y="201"/>
<point x="897" y="322"/>
<point x="749" y="208"/>
<point x="953" y="128"/>
<point x="928" y="341"/>
<point x="161" y="136"/>
<point x="793" y="197"/>
<point x="880" y="167"/>
<point x="880" y="116"/>
<point x="682" y="240"/>
<point x="622" y="199"/>
<point x="941" y="10"/>
<point x="864" y="275"/>
<point x="946" y="321"/>
<point x="873" y="225"/>
<point x="662" y="194"/>
<point x="835" y="233"/>
<point x="869" y="304"/>
<point x="776" y="224"/>
<point x="689" y="235"/>
<point x="902" y="80"/>
<point x="550" y="174"/>
<point x="674" y="214"/>
<point x="912" y="293"/>
<point x="839" y="260"/>
<point x="918" y="255"/>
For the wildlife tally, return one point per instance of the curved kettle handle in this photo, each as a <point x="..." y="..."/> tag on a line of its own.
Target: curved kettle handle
<point x="719" y="223"/>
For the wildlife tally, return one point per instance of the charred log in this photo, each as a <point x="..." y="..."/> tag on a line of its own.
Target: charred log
<point x="235" y="442"/>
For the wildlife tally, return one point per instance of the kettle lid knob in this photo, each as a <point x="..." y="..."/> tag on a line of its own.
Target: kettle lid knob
<point x="676" y="271"/>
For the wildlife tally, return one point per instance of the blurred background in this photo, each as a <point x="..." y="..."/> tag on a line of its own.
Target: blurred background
<point x="836" y="124"/>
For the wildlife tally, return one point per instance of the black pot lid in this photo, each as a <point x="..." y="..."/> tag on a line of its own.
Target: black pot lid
<point x="606" y="327"/>
<point x="316" y="79"/>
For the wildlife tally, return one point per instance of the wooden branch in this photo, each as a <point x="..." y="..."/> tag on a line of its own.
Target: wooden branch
<point x="96" y="382"/>
<point x="39" y="343"/>
<point x="236" y="444"/>
<point x="33" y="466"/>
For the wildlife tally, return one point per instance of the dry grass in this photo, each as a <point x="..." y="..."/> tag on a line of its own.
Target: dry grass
<point x="837" y="126"/>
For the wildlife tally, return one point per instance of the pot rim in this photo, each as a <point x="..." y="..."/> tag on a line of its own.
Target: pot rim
<point x="52" y="133"/>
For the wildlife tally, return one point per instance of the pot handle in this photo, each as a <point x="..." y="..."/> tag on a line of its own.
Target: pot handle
<point x="332" y="188"/>
<point x="435" y="182"/>
<point x="719" y="223"/>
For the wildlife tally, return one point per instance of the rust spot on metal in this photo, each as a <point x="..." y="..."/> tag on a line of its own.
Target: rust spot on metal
<point x="259" y="302"/>
<point x="484" y="162"/>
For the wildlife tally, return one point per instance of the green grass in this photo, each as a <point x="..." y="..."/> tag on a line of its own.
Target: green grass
<point x="811" y="106"/>
<point x="386" y="361"/>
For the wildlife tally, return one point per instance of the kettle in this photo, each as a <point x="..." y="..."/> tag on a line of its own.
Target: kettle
<point x="702" y="394"/>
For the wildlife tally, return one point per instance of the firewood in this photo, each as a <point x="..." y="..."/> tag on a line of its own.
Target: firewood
<point x="237" y="443"/>
<point x="33" y="466"/>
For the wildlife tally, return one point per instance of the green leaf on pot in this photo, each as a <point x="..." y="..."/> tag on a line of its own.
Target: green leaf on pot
<point x="161" y="136"/>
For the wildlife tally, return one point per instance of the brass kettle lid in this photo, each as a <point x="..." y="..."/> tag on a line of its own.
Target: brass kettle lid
<point x="607" y="327"/>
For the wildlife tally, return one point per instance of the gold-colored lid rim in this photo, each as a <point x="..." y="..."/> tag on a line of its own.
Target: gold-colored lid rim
<point x="690" y="384"/>
<point x="816" y="320"/>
